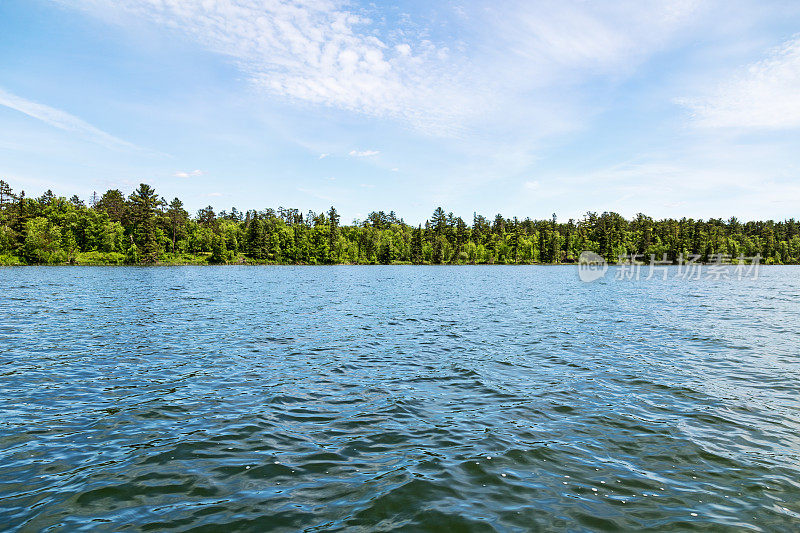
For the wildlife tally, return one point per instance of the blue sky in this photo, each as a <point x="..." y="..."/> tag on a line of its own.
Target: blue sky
<point x="671" y="108"/>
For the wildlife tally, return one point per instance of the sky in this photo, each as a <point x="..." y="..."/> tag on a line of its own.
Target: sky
<point x="525" y="108"/>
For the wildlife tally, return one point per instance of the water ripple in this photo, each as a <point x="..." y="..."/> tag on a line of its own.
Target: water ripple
<point x="385" y="398"/>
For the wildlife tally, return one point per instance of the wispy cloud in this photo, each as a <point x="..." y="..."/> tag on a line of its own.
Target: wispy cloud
<point x="332" y="53"/>
<point x="365" y="153"/>
<point x="553" y="39"/>
<point x="190" y="174"/>
<point x="61" y="120"/>
<point x="323" y="156"/>
<point x="763" y="95"/>
<point x="315" y="51"/>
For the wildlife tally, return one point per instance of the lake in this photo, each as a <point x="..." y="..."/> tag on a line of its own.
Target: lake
<point x="396" y="397"/>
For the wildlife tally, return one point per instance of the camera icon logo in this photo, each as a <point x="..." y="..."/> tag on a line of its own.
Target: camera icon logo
<point x="591" y="266"/>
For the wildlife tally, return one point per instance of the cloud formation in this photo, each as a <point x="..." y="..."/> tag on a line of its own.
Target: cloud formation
<point x="365" y="153"/>
<point x="61" y="120"/>
<point x="764" y="95"/>
<point x="184" y="174"/>
<point x="312" y="51"/>
<point x="332" y="53"/>
<point x="558" y="39"/>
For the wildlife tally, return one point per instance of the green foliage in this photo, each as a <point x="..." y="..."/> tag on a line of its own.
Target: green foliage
<point x="143" y="229"/>
<point x="42" y="242"/>
<point x="99" y="258"/>
<point x="219" y="251"/>
<point x="143" y="204"/>
<point x="10" y="260"/>
<point x="7" y="240"/>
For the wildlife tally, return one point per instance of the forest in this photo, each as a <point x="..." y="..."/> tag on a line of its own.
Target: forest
<point x="144" y="229"/>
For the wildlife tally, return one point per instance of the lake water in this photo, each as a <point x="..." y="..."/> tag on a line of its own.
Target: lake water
<point x="378" y="398"/>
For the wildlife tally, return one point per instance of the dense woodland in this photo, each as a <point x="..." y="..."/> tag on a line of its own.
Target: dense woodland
<point x="143" y="228"/>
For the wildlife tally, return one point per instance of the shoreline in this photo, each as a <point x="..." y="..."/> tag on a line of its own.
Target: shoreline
<point x="255" y="264"/>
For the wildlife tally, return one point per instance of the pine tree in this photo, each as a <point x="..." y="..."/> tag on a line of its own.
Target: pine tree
<point x="255" y="238"/>
<point x="144" y="202"/>
<point x="437" y="250"/>
<point x="515" y="241"/>
<point x="416" y="245"/>
<point x="178" y="217"/>
<point x="333" y="235"/>
<point x="462" y="236"/>
<point x="439" y="221"/>
<point x="113" y="203"/>
<point x="47" y="198"/>
<point x="6" y="195"/>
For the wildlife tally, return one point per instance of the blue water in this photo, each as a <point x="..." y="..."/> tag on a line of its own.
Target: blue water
<point x="383" y="398"/>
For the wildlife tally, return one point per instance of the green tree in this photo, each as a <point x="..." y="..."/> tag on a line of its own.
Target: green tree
<point x="6" y="195"/>
<point x="416" y="246"/>
<point x="144" y="202"/>
<point x="178" y="217"/>
<point x="42" y="242"/>
<point x="113" y="203"/>
<point x="218" y="249"/>
<point x="333" y="235"/>
<point x="256" y="239"/>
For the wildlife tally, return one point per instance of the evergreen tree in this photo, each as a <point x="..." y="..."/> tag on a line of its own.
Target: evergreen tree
<point x="206" y="216"/>
<point x="333" y="235"/>
<point x="113" y="203"/>
<point x="438" y="249"/>
<point x="47" y="198"/>
<point x="144" y="202"/>
<point x="416" y="245"/>
<point x="178" y="217"/>
<point x="439" y="221"/>
<point x="462" y="236"/>
<point x="256" y="238"/>
<point x="6" y="195"/>
<point x="515" y="240"/>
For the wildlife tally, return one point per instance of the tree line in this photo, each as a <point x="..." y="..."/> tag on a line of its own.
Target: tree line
<point x="143" y="228"/>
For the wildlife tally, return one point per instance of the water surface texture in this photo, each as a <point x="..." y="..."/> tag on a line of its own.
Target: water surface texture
<point x="382" y="398"/>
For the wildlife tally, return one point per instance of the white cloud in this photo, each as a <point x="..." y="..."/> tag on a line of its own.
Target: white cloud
<point x="365" y="153"/>
<point x="764" y="95"/>
<point x="532" y="185"/>
<point x="61" y="120"/>
<point x="329" y="52"/>
<point x="313" y="51"/>
<point x="215" y="194"/>
<point x="323" y="156"/>
<point x="555" y="42"/>
<point x="183" y="174"/>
